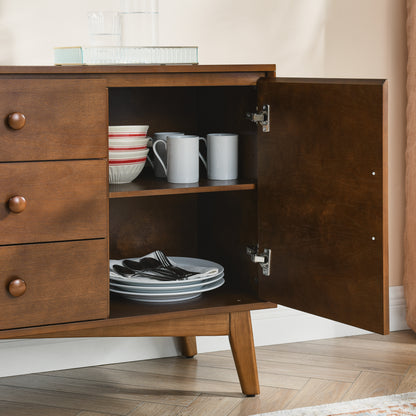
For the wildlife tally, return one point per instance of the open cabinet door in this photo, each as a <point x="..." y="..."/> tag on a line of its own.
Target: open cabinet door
<point x="322" y="198"/>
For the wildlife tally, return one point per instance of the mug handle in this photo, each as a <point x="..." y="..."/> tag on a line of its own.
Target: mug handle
<point x="157" y="154"/>
<point x="150" y="144"/>
<point x="200" y="156"/>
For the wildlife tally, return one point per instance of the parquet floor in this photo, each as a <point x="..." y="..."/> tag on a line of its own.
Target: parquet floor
<point x="291" y="375"/>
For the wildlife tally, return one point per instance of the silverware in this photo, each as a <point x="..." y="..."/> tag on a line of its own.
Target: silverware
<point x="127" y="272"/>
<point x="148" y="264"/>
<point x="181" y="273"/>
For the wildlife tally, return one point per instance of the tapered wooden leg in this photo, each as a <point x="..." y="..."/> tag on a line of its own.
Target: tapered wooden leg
<point x="242" y="347"/>
<point x="189" y="348"/>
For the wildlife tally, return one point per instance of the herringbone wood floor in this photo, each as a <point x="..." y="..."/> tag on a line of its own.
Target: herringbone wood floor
<point x="291" y="375"/>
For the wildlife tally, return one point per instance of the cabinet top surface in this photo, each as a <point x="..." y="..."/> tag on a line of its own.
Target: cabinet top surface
<point x="133" y="69"/>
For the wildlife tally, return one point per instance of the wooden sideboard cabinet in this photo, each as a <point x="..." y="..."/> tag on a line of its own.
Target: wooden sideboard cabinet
<point x="310" y="204"/>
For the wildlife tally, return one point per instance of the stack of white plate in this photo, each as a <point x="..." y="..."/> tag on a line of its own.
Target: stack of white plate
<point x="143" y="289"/>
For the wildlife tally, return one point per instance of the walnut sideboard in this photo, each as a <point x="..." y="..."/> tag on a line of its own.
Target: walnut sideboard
<point x="305" y="225"/>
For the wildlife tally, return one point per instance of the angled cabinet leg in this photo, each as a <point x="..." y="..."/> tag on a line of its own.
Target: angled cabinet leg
<point x="188" y="346"/>
<point x="242" y="346"/>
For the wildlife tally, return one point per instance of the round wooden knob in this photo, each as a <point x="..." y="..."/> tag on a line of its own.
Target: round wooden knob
<point x="17" y="287"/>
<point x="17" y="204"/>
<point x="16" y="121"/>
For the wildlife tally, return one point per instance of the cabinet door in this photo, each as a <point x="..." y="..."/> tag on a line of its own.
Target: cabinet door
<point x="322" y="198"/>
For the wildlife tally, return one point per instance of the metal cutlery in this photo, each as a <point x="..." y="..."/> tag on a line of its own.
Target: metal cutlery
<point x="164" y="260"/>
<point x="151" y="274"/>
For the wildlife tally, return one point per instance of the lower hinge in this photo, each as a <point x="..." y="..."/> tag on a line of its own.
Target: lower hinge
<point x="264" y="259"/>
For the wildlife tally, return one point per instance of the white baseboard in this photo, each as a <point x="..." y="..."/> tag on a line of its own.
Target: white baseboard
<point x="288" y="325"/>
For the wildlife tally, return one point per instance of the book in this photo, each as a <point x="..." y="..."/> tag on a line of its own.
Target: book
<point x="111" y="55"/>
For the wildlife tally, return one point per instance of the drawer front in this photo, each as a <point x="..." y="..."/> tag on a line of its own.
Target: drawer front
<point x="54" y="282"/>
<point x="53" y="119"/>
<point x="53" y="201"/>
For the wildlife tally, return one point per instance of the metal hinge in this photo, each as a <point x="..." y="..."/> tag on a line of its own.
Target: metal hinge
<point x="262" y="117"/>
<point x="264" y="259"/>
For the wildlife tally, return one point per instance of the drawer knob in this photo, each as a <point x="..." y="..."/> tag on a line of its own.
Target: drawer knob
<point x="17" y="287"/>
<point x="17" y="204"/>
<point x="16" y="120"/>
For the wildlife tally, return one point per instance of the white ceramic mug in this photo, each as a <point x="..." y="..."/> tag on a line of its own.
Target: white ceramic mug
<point x="182" y="162"/>
<point x="157" y="167"/>
<point x="222" y="156"/>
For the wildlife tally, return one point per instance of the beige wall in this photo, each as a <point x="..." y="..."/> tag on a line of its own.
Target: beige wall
<point x="310" y="38"/>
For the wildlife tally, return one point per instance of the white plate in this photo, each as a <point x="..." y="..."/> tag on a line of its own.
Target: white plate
<point x="188" y="263"/>
<point x="167" y="297"/>
<point x="115" y="284"/>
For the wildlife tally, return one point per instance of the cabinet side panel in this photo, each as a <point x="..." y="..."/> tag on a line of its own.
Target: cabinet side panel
<point x="320" y="188"/>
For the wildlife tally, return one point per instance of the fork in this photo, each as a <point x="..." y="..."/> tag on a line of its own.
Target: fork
<point x="164" y="260"/>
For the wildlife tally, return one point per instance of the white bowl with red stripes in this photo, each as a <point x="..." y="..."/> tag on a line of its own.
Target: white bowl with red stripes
<point x="115" y="132"/>
<point x="141" y="143"/>
<point x="124" y="171"/>
<point x="127" y="152"/>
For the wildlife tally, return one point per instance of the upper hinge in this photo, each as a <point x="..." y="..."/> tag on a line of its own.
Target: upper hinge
<point x="264" y="259"/>
<point x="262" y="117"/>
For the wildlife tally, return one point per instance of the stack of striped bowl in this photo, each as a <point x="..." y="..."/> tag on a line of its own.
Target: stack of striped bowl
<point x="127" y="152"/>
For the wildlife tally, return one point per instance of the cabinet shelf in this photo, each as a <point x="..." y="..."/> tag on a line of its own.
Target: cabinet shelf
<point x="125" y="315"/>
<point x="221" y="300"/>
<point x="154" y="187"/>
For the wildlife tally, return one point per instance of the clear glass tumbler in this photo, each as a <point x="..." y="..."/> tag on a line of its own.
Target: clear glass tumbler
<point x="104" y="28"/>
<point x="139" y="22"/>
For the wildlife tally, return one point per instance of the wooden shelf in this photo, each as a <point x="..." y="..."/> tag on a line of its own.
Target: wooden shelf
<point x="125" y="313"/>
<point x="218" y="301"/>
<point x="153" y="187"/>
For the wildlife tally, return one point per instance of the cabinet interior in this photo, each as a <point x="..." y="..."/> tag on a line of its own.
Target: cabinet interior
<point x="212" y="224"/>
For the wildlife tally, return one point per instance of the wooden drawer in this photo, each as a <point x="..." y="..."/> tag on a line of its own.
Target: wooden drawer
<point x="65" y="282"/>
<point x="64" y="119"/>
<point x="65" y="200"/>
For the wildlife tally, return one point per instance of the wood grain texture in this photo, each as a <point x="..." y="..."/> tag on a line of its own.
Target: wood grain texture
<point x="64" y="119"/>
<point x="189" y="347"/>
<point x="65" y="200"/>
<point x="198" y="385"/>
<point x="11" y="408"/>
<point x="188" y="326"/>
<point x="66" y="400"/>
<point x="407" y="384"/>
<point x="155" y="409"/>
<point x="133" y="69"/>
<point x="166" y="223"/>
<point x="269" y="400"/>
<point x="321" y="199"/>
<point x="205" y="406"/>
<point x="242" y="346"/>
<point x="328" y="144"/>
<point x="128" y="314"/>
<point x="160" y="385"/>
<point x="370" y="385"/>
<point x="61" y="281"/>
<point x="153" y="187"/>
<point x="280" y="363"/>
<point x="346" y="368"/>
<point x="318" y="392"/>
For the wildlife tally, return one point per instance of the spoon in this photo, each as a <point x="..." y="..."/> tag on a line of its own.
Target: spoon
<point x="126" y="272"/>
<point x="144" y="263"/>
<point x="148" y="264"/>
